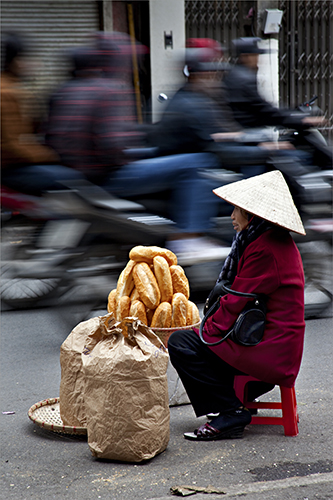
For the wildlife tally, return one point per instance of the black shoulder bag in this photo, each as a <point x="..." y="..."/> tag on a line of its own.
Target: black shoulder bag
<point x="249" y="327"/>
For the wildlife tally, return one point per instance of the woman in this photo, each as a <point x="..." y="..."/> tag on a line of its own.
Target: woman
<point x="264" y="260"/>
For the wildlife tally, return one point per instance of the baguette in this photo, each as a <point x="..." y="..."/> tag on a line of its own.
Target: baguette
<point x="146" y="285"/>
<point x="193" y="315"/>
<point x="150" y="314"/>
<point x="180" y="282"/>
<point x="162" y="316"/>
<point x="163" y="277"/>
<point x="179" y="310"/>
<point x="146" y="254"/>
<point x="125" y="283"/>
<point x="123" y="308"/>
<point x="134" y="295"/>
<point x="111" y="307"/>
<point x="138" y="310"/>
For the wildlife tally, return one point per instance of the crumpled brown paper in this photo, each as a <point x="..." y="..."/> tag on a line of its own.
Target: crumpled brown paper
<point x="185" y="491"/>
<point x="86" y="333"/>
<point x="126" y="393"/>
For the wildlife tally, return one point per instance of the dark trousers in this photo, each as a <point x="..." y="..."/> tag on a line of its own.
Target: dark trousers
<point x="207" y="379"/>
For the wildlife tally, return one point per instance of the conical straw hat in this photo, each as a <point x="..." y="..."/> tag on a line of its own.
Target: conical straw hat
<point x="267" y="196"/>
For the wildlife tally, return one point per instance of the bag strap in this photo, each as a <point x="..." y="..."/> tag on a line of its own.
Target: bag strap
<point x="239" y="294"/>
<point x="202" y="324"/>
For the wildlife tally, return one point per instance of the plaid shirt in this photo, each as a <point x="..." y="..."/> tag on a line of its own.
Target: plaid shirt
<point x="91" y="121"/>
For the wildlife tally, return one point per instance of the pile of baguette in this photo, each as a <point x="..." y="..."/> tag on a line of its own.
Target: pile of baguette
<point x="154" y="289"/>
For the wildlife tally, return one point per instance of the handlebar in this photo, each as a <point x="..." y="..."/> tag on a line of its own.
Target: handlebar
<point x="309" y="103"/>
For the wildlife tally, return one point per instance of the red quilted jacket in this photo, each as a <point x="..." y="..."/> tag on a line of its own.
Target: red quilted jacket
<point x="270" y="265"/>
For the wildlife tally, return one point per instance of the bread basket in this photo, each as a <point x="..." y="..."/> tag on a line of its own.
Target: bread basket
<point x="164" y="333"/>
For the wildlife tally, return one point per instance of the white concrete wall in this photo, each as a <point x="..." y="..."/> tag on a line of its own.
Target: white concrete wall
<point x="268" y="78"/>
<point x="166" y="63"/>
<point x="268" y="72"/>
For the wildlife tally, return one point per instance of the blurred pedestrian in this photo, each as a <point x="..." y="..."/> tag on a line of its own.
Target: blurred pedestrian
<point x="26" y="164"/>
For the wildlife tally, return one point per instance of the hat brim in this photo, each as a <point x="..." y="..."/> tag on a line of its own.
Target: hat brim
<point x="267" y="196"/>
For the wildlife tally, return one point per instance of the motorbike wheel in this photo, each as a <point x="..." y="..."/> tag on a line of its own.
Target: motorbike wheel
<point x="317" y="258"/>
<point x="317" y="300"/>
<point x="22" y="293"/>
<point x="18" y="236"/>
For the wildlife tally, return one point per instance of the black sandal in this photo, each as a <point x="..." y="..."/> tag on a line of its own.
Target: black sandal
<point x="208" y="433"/>
<point x="233" y="424"/>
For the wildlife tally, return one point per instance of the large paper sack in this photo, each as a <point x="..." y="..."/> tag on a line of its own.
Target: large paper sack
<point x="72" y="410"/>
<point x="126" y="394"/>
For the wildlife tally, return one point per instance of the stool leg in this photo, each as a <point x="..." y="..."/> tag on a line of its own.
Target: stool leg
<point x="289" y="411"/>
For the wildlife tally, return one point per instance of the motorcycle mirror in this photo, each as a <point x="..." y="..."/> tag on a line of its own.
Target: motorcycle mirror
<point x="162" y="97"/>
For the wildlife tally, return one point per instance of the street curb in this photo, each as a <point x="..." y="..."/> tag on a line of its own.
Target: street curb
<point x="262" y="486"/>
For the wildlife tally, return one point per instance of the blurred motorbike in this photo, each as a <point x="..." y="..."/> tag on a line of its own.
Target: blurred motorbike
<point x="310" y="140"/>
<point x="54" y="243"/>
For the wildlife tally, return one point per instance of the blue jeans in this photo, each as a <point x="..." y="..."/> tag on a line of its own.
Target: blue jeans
<point x="35" y="179"/>
<point x="192" y="203"/>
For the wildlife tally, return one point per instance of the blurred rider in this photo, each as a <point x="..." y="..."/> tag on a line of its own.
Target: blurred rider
<point x="252" y="111"/>
<point x="26" y="165"/>
<point x="192" y="115"/>
<point x="249" y="108"/>
<point x="92" y="122"/>
<point x="91" y="117"/>
<point x="198" y="117"/>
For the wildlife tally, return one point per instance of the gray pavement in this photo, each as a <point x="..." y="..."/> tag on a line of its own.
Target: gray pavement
<point x="38" y="464"/>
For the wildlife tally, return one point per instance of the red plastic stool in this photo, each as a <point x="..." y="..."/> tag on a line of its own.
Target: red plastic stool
<point x="288" y="405"/>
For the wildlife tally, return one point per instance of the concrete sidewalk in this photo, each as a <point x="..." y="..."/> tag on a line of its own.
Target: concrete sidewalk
<point x="38" y="464"/>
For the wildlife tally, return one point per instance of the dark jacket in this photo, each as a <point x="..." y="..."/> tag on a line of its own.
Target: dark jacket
<point x="188" y="122"/>
<point x="270" y="265"/>
<point x="249" y="108"/>
<point x="190" y="119"/>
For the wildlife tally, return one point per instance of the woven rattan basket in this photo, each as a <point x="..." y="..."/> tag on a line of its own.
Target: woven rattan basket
<point x="46" y="414"/>
<point x="164" y="333"/>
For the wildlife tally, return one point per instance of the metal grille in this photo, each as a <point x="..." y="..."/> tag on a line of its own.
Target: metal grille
<point x="305" y="44"/>
<point x="306" y="54"/>
<point x="213" y="19"/>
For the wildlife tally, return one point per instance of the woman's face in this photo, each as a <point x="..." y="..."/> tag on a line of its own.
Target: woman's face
<point x="239" y="219"/>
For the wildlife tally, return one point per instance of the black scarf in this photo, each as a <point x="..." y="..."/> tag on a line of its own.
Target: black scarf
<point x="255" y="228"/>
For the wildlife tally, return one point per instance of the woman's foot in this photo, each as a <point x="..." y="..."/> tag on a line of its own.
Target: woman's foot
<point x="225" y="426"/>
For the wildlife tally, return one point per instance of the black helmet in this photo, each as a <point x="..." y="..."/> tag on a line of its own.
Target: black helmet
<point x="247" y="45"/>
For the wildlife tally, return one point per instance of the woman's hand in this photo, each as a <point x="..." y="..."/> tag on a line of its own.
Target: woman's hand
<point x="226" y="136"/>
<point x="274" y="146"/>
